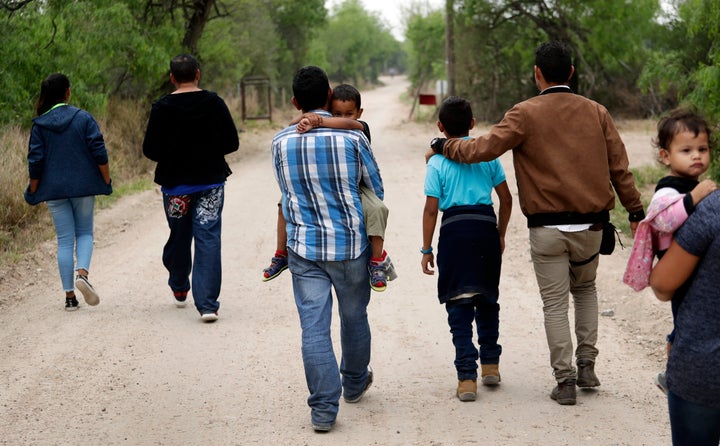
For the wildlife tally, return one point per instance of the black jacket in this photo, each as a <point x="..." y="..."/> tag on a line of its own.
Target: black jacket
<point x="188" y="135"/>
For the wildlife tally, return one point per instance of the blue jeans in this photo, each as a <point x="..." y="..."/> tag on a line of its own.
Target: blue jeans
<point x="312" y="284"/>
<point x="485" y="311"/>
<point x="198" y="217"/>
<point x="73" y="220"/>
<point x="693" y="424"/>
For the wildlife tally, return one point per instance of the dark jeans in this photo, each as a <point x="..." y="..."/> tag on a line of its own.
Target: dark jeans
<point x="693" y="424"/>
<point x="197" y="217"/>
<point x="485" y="311"/>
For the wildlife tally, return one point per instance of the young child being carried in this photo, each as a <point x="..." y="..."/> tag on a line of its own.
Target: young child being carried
<point x="683" y="144"/>
<point x="470" y="248"/>
<point x="346" y="107"/>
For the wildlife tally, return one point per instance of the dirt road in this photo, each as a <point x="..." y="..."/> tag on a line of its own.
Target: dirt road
<point x="135" y="370"/>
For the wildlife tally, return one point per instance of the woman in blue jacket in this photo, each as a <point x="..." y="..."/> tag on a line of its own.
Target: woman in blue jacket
<point x="68" y="166"/>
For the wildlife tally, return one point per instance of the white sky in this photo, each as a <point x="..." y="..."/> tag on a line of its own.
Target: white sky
<point x="392" y="10"/>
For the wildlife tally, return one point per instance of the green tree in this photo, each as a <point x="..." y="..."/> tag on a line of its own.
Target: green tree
<point x="297" y="23"/>
<point x="685" y="64"/>
<point x="425" y="36"/>
<point x="242" y="44"/>
<point x="498" y="39"/>
<point x="100" y="45"/>
<point x="357" y="44"/>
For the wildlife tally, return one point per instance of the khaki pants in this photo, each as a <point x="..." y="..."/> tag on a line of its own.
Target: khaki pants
<point x="558" y="261"/>
<point x="375" y="212"/>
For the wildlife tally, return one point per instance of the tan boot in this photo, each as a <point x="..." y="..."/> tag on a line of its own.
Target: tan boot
<point x="490" y="374"/>
<point x="467" y="390"/>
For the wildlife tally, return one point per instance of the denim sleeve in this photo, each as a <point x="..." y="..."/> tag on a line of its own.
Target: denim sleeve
<point x="36" y="154"/>
<point x="94" y="140"/>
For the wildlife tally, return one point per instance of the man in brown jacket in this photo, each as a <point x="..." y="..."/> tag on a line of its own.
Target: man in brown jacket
<point x="568" y="158"/>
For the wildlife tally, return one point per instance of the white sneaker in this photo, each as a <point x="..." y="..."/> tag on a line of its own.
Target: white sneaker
<point x="661" y="382"/>
<point x="180" y="299"/>
<point x="87" y="290"/>
<point x="209" y="317"/>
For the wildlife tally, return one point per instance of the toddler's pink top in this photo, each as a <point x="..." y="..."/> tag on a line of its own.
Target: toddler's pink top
<point x="665" y="214"/>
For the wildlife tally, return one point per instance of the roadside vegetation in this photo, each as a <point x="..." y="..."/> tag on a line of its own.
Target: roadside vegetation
<point x="638" y="59"/>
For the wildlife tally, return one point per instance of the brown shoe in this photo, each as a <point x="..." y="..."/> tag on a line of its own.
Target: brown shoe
<point x="490" y="374"/>
<point x="467" y="390"/>
<point x="564" y="393"/>
<point x="586" y="374"/>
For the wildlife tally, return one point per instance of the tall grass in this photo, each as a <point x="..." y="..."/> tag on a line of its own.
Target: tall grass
<point x="21" y="225"/>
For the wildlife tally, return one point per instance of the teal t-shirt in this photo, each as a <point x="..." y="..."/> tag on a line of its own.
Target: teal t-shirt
<point x="459" y="184"/>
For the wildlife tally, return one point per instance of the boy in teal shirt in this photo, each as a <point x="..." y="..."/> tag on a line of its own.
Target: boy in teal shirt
<point x="470" y="248"/>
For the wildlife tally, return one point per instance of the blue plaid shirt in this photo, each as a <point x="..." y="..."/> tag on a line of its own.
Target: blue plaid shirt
<point x="320" y="173"/>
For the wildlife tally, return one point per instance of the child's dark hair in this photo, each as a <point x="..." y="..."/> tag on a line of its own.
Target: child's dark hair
<point x="554" y="61"/>
<point x="184" y="68"/>
<point x="310" y="88"/>
<point x="346" y="92"/>
<point x="677" y="121"/>
<point x="52" y="92"/>
<point x="456" y="116"/>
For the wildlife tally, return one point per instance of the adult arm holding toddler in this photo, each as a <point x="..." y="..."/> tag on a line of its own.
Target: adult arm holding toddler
<point x="693" y="386"/>
<point x="683" y="144"/>
<point x="309" y="121"/>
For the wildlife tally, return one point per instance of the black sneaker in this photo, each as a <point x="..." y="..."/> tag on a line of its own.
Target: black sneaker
<point x="71" y="303"/>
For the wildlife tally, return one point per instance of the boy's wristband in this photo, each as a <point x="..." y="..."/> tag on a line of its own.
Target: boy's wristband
<point x="426" y="251"/>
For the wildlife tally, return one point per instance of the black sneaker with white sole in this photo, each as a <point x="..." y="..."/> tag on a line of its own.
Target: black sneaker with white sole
<point x="71" y="303"/>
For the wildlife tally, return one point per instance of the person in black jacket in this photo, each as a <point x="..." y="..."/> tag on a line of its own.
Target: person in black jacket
<point x="188" y="134"/>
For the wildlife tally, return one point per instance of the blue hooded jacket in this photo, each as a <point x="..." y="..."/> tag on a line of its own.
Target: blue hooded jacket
<point x="65" y="149"/>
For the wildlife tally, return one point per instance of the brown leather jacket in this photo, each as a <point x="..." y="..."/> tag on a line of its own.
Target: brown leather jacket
<point x="568" y="158"/>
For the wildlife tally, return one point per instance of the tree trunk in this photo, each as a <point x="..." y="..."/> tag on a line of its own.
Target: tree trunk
<point x="450" y="46"/>
<point x="201" y="10"/>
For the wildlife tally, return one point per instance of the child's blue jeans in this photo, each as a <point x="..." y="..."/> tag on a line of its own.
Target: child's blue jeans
<point x="485" y="312"/>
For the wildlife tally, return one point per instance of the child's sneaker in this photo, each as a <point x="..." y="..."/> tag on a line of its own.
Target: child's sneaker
<point x="389" y="267"/>
<point x="71" y="303"/>
<point x="278" y="264"/>
<point x="661" y="382"/>
<point x="378" y="277"/>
